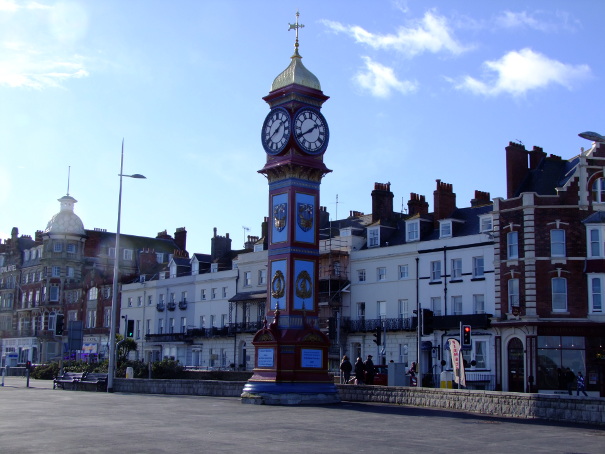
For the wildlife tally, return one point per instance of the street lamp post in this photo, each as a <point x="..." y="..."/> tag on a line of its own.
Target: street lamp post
<point x="114" y="299"/>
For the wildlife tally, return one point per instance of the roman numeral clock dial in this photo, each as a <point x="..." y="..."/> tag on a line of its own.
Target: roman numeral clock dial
<point x="311" y="131"/>
<point x="276" y="131"/>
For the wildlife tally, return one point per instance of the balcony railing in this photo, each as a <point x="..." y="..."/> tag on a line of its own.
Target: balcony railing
<point x="171" y="306"/>
<point x="160" y="307"/>
<point x="183" y="305"/>
<point x="245" y="327"/>
<point x="390" y="324"/>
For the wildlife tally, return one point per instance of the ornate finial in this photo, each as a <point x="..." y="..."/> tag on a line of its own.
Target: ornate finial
<point x="295" y="26"/>
<point x="68" y="175"/>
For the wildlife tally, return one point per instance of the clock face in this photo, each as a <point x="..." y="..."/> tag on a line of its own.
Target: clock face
<point x="276" y="131"/>
<point x="311" y="130"/>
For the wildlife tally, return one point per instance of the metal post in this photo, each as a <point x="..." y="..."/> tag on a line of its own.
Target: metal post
<point x="114" y="299"/>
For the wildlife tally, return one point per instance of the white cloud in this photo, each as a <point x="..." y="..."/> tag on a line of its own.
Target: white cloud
<point x="516" y="73"/>
<point x="538" y="20"/>
<point x="381" y="80"/>
<point x="429" y="34"/>
<point x="34" y="53"/>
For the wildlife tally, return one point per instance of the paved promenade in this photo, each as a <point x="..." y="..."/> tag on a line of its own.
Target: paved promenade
<point x="42" y="420"/>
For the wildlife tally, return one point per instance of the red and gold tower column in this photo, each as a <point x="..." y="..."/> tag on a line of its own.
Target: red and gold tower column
<point x="291" y="353"/>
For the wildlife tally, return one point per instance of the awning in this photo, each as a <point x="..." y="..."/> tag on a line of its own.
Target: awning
<point x="253" y="297"/>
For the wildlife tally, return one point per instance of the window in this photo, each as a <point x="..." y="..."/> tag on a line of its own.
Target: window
<point x="479" y="304"/>
<point x="107" y="317"/>
<point x="138" y="330"/>
<point x="436" y="305"/>
<point x="147" y="326"/>
<point x="224" y="292"/>
<point x="381" y="309"/>
<point x="412" y="230"/>
<point x="56" y="271"/>
<point x="54" y="293"/>
<point x="139" y="301"/>
<point x="149" y="300"/>
<point x="403" y="271"/>
<point x="52" y="321"/>
<point x="381" y="273"/>
<point x="374" y="237"/>
<point x="513" y="294"/>
<point x="91" y="318"/>
<point x="203" y="294"/>
<point x="213" y="293"/>
<point x="404" y="309"/>
<point x="445" y="229"/>
<point x="456" y="269"/>
<point x="262" y="277"/>
<point x="336" y="268"/>
<point x="202" y="321"/>
<point x="58" y="247"/>
<point x="478" y="267"/>
<point x="71" y="248"/>
<point x="127" y="254"/>
<point x="361" y="275"/>
<point x="223" y="320"/>
<point x="596" y="294"/>
<point x="559" y="294"/>
<point x="435" y="271"/>
<point x="184" y="296"/>
<point x="161" y="326"/>
<point x="457" y="305"/>
<point x="598" y="191"/>
<point x="480" y="354"/>
<point x="486" y="223"/>
<point x="512" y="245"/>
<point x="596" y="245"/>
<point x="171" y="325"/>
<point x="130" y="301"/>
<point x="247" y="278"/>
<point x="111" y="252"/>
<point x="70" y="271"/>
<point x="183" y="324"/>
<point x="557" y="243"/>
<point x="159" y="256"/>
<point x="361" y="311"/>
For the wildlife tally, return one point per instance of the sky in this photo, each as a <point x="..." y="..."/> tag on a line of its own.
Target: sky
<point x="419" y="91"/>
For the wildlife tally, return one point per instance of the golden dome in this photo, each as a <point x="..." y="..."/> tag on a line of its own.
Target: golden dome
<point x="296" y="73"/>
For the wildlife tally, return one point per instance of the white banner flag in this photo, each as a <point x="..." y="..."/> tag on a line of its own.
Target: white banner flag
<point x="457" y="362"/>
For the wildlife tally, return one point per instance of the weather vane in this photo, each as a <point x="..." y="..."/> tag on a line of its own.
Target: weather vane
<point x="295" y="26"/>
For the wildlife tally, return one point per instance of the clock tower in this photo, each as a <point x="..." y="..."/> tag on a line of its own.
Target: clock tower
<point x="291" y="353"/>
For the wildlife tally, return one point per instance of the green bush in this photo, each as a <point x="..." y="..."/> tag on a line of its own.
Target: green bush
<point x="167" y="368"/>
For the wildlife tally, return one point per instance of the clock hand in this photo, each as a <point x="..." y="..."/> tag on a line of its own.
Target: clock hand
<point x="308" y="130"/>
<point x="277" y="130"/>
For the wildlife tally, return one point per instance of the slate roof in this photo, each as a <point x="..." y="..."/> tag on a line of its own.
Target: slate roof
<point x="550" y="174"/>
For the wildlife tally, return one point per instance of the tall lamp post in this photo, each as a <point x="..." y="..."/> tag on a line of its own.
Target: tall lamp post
<point x="116" y="268"/>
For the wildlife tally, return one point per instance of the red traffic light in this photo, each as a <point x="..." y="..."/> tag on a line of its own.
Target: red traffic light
<point x="466" y="336"/>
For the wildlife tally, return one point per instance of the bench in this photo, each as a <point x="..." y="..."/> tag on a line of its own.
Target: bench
<point x="68" y="378"/>
<point x="99" y="380"/>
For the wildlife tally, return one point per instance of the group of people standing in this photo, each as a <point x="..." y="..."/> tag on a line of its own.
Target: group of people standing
<point x="364" y="370"/>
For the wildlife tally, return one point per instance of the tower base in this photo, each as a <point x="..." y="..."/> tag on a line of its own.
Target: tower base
<point x="263" y="393"/>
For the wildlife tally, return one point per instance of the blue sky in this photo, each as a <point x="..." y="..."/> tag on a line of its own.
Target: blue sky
<point x="419" y="91"/>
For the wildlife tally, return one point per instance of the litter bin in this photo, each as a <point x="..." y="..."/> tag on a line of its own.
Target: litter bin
<point x="447" y="378"/>
<point x="129" y="372"/>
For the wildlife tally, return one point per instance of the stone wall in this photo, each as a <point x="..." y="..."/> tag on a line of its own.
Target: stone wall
<point x="588" y="410"/>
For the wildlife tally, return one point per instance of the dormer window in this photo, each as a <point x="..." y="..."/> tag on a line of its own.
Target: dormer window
<point x="486" y="223"/>
<point x="374" y="237"/>
<point x="445" y="228"/>
<point x="412" y="230"/>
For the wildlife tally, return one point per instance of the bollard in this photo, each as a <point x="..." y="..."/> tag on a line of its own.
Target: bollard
<point x="3" y="372"/>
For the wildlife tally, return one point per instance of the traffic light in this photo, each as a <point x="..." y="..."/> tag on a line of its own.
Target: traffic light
<point x="130" y="329"/>
<point x="427" y="322"/>
<point x="377" y="336"/>
<point x="466" y="336"/>
<point x="59" y="325"/>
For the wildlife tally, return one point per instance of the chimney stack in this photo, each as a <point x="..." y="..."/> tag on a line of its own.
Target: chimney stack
<point x="444" y="201"/>
<point x="481" y="198"/>
<point x="382" y="202"/>
<point x="417" y="205"/>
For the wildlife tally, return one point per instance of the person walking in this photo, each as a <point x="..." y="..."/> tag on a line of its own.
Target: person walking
<point x="370" y="371"/>
<point x="359" y="372"/>
<point x="345" y="367"/>
<point x="581" y="385"/>
<point x="412" y="373"/>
